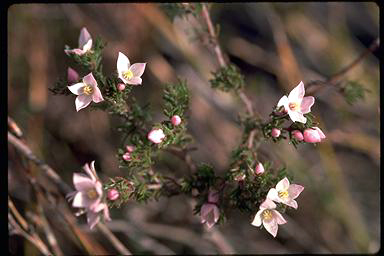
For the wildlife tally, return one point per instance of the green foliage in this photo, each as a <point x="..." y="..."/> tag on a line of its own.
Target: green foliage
<point x="227" y="79"/>
<point x="176" y="98"/>
<point x="125" y="189"/>
<point x="181" y="10"/>
<point x="353" y="91"/>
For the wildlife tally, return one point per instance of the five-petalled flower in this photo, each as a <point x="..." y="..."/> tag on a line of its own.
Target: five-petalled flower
<point x="296" y="104"/>
<point x="269" y="217"/>
<point x="285" y="193"/>
<point x="85" y="43"/>
<point x="129" y="74"/>
<point x="87" y="91"/>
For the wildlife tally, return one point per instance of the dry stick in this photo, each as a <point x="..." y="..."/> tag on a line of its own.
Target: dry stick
<point x="112" y="238"/>
<point x="332" y="80"/>
<point x="27" y="152"/>
<point x="18" y="216"/>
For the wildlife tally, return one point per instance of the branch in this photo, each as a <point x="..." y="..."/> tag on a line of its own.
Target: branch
<point x="113" y="239"/>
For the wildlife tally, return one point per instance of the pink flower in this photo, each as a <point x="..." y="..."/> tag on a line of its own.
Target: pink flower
<point x="259" y="168"/>
<point x="209" y="214"/>
<point x="130" y="148"/>
<point x="93" y="216"/>
<point x="72" y="76"/>
<point x="156" y="136"/>
<point x="269" y="217"/>
<point x="87" y="91"/>
<point x="296" y="104"/>
<point x="285" y="193"/>
<point x="85" y="43"/>
<point x="275" y="132"/>
<point x="176" y="120"/>
<point x="127" y="156"/>
<point x="121" y="87"/>
<point x="129" y="74"/>
<point x="297" y="135"/>
<point x="313" y="135"/>
<point x="113" y="194"/>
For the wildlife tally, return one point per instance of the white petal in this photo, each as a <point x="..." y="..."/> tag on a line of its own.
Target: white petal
<point x="122" y="64"/>
<point x="76" y="88"/>
<point x="87" y="46"/>
<point x="273" y="195"/>
<point x="82" y="101"/>
<point x="137" y="69"/>
<point x="271" y="227"/>
<point x="257" y="220"/>
<point x="82" y="182"/>
<point x="283" y="102"/>
<point x="279" y="218"/>
<point x="134" y="81"/>
<point x="283" y="184"/>
<point x="297" y="94"/>
<point x="81" y="200"/>
<point x="297" y="116"/>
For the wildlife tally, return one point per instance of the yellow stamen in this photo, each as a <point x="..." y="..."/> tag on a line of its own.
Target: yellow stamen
<point x="92" y="194"/>
<point x="88" y="90"/>
<point x="267" y="214"/>
<point x="127" y="74"/>
<point x="294" y="106"/>
<point x="283" y="194"/>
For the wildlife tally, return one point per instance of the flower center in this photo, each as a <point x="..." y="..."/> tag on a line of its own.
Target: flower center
<point x="127" y="74"/>
<point x="294" y="106"/>
<point x="88" y="90"/>
<point x="283" y="194"/>
<point x="92" y="194"/>
<point x="267" y="214"/>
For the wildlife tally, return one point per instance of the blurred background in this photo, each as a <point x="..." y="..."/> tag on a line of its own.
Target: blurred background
<point x="276" y="45"/>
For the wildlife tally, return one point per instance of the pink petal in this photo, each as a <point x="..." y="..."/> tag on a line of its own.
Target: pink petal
<point x="134" y="81"/>
<point x="283" y="102"/>
<point x="95" y="205"/>
<point x="268" y="204"/>
<point x="122" y="64"/>
<point x="306" y="104"/>
<point x="273" y="195"/>
<point x="311" y="135"/>
<point x="297" y="94"/>
<point x="257" y="220"/>
<point x="106" y="214"/>
<point x="84" y="37"/>
<point x="90" y="170"/>
<point x="138" y="69"/>
<point x="213" y="196"/>
<point x="74" y="51"/>
<point x="321" y="134"/>
<point x="282" y="185"/>
<point x="82" y="101"/>
<point x="76" y="88"/>
<point x="294" y="190"/>
<point x="278" y="217"/>
<point x="292" y="203"/>
<point x="271" y="227"/>
<point x="90" y="80"/>
<point x="297" y="116"/>
<point x="72" y="76"/>
<point x="204" y="211"/>
<point x="96" y="96"/>
<point x="82" y="182"/>
<point x="92" y="219"/>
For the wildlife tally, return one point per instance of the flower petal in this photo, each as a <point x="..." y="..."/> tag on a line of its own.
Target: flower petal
<point x="87" y="46"/>
<point x="134" y="81"/>
<point x="81" y="200"/>
<point x="72" y="76"/>
<point x="294" y="190"/>
<point x="297" y="117"/>
<point x="271" y="227"/>
<point x="273" y="195"/>
<point x="257" y="220"/>
<point x="122" y="64"/>
<point x="82" y="101"/>
<point x="283" y="102"/>
<point x="84" y="37"/>
<point x="292" y="203"/>
<point x="283" y="184"/>
<point x="74" y="51"/>
<point x="92" y="218"/>
<point x="297" y="94"/>
<point x="306" y="104"/>
<point x="76" y="88"/>
<point x="137" y="69"/>
<point x="321" y="134"/>
<point x="106" y="214"/>
<point x="96" y="96"/>
<point x="278" y="217"/>
<point x="82" y="182"/>
<point x="90" y="80"/>
<point x="267" y="204"/>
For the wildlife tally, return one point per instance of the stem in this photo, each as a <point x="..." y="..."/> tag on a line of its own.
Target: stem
<point x="113" y="239"/>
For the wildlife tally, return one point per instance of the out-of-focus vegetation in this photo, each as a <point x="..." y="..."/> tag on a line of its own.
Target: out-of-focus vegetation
<point x="275" y="45"/>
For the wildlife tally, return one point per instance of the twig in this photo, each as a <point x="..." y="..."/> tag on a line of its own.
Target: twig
<point x="17" y="215"/>
<point x="14" y="127"/>
<point x="113" y="239"/>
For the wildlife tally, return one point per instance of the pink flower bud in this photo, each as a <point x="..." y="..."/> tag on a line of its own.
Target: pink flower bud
<point x="259" y="168"/>
<point x="72" y="76"/>
<point x="313" y="135"/>
<point x="113" y="194"/>
<point x="127" y="156"/>
<point x="176" y="120"/>
<point x="121" y="87"/>
<point x="130" y="148"/>
<point x="156" y="136"/>
<point x="297" y="135"/>
<point x="213" y="196"/>
<point x="275" y="132"/>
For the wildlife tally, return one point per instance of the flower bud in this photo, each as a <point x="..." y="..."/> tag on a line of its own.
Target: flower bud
<point x="113" y="194"/>
<point x="72" y="76"/>
<point x="275" y="132"/>
<point x="176" y="120"/>
<point x="313" y="135"/>
<point x="130" y="148"/>
<point x="259" y="168"/>
<point x="127" y="156"/>
<point x="121" y="87"/>
<point x="213" y="196"/>
<point x="156" y="136"/>
<point x="297" y="135"/>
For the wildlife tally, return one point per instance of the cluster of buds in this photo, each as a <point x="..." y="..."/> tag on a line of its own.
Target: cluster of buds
<point x="127" y="155"/>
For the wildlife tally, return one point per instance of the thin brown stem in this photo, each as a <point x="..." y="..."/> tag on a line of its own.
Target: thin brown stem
<point x="120" y="247"/>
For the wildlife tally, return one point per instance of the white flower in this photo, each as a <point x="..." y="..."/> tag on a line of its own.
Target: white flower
<point x="129" y="74"/>
<point x="285" y="193"/>
<point x="87" y="91"/>
<point x="156" y="136"/>
<point x="85" y="43"/>
<point x="269" y="217"/>
<point x="296" y="104"/>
